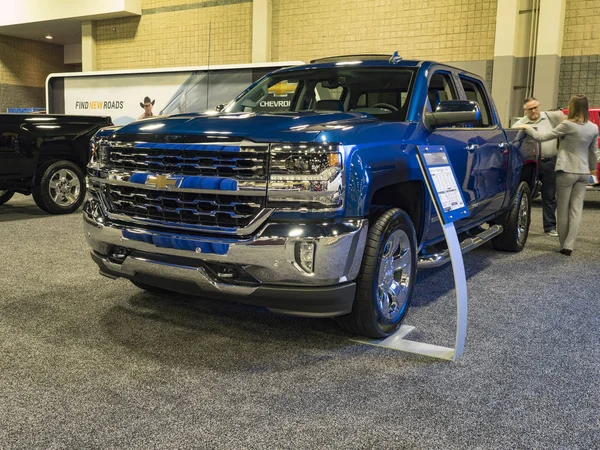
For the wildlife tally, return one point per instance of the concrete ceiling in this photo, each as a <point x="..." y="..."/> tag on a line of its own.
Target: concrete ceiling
<point x="64" y="31"/>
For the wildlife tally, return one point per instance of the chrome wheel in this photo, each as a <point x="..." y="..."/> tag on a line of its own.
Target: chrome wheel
<point x="64" y="187"/>
<point x="385" y="283"/>
<point x="395" y="271"/>
<point x="523" y="218"/>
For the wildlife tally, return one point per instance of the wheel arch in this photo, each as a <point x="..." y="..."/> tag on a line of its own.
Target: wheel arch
<point x="408" y="196"/>
<point x="74" y="151"/>
<point x="529" y="175"/>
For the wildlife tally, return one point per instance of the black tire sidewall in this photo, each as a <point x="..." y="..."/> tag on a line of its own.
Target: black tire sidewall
<point x="6" y="197"/>
<point x="390" y="220"/>
<point x="509" y="239"/>
<point x="524" y="193"/>
<point x="41" y="192"/>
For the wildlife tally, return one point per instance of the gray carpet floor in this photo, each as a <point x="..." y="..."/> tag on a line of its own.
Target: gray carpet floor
<point x="86" y="362"/>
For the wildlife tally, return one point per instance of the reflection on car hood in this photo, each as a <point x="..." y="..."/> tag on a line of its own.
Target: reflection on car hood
<point x="260" y="127"/>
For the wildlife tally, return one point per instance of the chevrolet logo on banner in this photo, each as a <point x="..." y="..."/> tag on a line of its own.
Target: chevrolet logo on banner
<point x="283" y="88"/>
<point x="162" y="181"/>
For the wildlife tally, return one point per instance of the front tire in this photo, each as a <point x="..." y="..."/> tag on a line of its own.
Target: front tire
<point x="60" y="187"/>
<point x="6" y="195"/>
<point x="516" y="222"/>
<point x="386" y="280"/>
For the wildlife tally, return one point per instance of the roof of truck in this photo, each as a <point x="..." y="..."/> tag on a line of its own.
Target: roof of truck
<point x="366" y="61"/>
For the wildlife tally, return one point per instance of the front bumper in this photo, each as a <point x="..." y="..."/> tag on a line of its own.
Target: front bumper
<point x="263" y="269"/>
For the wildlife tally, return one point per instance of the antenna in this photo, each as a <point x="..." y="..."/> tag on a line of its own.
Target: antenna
<point x="208" y="66"/>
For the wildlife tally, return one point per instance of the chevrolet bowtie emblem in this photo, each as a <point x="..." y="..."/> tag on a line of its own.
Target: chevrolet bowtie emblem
<point x="161" y="181"/>
<point x="283" y="88"/>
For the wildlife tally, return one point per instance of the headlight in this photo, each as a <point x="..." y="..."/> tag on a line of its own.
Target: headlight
<point x="305" y="176"/>
<point x="98" y="152"/>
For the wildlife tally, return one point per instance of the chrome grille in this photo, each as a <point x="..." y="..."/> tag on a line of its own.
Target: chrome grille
<point x="216" y="210"/>
<point x="243" y="162"/>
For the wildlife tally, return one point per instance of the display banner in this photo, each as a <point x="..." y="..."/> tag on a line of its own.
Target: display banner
<point x="122" y="95"/>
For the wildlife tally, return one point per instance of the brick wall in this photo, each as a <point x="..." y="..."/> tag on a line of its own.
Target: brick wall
<point x="580" y="62"/>
<point x="24" y="66"/>
<point x="174" y="33"/>
<point x="452" y="30"/>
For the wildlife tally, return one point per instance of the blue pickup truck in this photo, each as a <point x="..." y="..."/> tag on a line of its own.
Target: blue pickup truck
<point x="317" y="207"/>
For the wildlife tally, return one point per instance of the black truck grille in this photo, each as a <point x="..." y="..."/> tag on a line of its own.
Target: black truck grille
<point x="241" y="162"/>
<point x="216" y="210"/>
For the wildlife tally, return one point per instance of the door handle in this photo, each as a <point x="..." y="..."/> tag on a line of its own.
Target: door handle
<point x="472" y="147"/>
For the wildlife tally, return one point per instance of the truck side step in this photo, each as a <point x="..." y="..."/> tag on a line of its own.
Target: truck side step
<point x="431" y="260"/>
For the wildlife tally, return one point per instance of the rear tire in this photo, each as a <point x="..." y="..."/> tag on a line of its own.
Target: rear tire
<point x="59" y="187"/>
<point x="386" y="280"/>
<point x="6" y="195"/>
<point x="516" y="222"/>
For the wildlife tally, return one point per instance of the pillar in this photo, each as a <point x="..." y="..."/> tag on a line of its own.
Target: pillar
<point x="505" y="59"/>
<point x="88" y="46"/>
<point x="262" y="13"/>
<point x="549" y="50"/>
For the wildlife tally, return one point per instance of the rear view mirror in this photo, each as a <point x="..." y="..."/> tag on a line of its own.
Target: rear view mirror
<point x="454" y="112"/>
<point x="220" y="108"/>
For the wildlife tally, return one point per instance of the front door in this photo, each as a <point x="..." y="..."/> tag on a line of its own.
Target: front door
<point x="458" y="141"/>
<point x="489" y="154"/>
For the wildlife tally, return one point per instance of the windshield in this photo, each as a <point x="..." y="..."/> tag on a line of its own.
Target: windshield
<point x="380" y="91"/>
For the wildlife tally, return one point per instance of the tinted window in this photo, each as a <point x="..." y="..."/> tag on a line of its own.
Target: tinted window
<point x="476" y="93"/>
<point x="440" y="89"/>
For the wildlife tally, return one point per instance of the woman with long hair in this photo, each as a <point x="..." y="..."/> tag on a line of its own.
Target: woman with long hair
<point x="576" y="160"/>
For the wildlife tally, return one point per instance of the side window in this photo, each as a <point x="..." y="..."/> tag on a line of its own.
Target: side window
<point x="440" y="89"/>
<point x="475" y="92"/>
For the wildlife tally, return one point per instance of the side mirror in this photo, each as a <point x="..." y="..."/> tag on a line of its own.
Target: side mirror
<point x="454" y="112"/>
<point x="220" y="108"/>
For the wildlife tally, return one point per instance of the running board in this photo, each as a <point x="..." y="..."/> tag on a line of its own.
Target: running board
<point x="429" y="261"/>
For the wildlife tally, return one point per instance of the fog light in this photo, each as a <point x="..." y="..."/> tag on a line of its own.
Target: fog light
<point x="117" y="254"/>
<point x="305" y="256"/>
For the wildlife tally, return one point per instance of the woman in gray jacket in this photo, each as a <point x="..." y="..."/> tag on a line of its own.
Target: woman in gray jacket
<point x="576" y="159"/>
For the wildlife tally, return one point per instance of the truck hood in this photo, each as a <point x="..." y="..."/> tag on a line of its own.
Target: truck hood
<point x="259" y="127"/>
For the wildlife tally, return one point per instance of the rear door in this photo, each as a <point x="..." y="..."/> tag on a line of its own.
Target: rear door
<point x="488" y="153"/>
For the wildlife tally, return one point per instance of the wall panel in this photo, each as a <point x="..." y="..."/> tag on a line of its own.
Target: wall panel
<point x="175" y="33"/>
<point x="24" y="66"/>
<point x="452" y="30"/>
<point x="580" y="62"/>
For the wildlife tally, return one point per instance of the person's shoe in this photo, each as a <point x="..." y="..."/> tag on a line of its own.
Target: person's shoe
<point x="566" y="251"/>
<point x="552" y="233"/>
